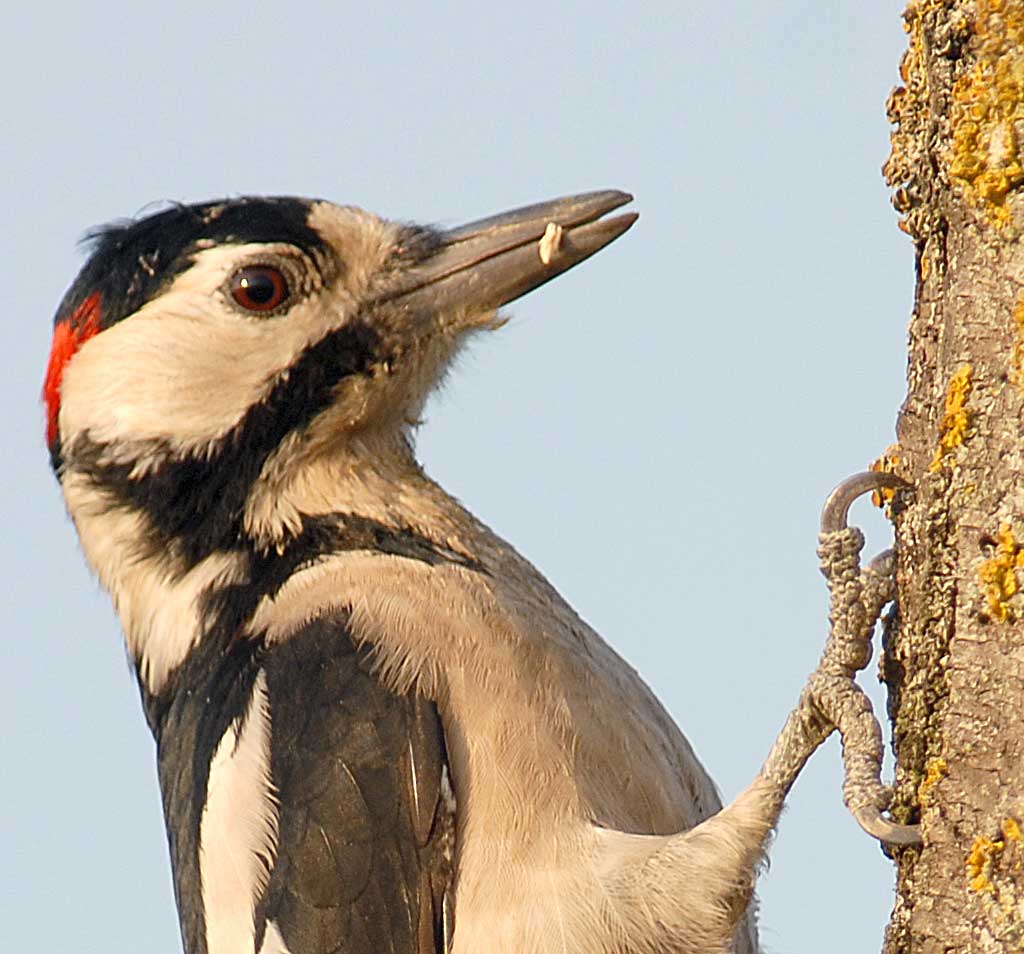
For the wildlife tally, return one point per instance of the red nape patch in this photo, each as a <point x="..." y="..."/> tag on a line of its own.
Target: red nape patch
<point x="68" y="337"/>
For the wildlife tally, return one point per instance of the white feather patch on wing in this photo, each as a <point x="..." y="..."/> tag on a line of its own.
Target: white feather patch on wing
<point x="239" y="829"/>
<point x="273" y="943"/>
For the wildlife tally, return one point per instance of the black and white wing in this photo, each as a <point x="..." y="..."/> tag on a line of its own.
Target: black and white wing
<point x="308" y="806"/>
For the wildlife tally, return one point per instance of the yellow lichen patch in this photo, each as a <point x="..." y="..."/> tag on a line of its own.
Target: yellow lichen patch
<point x="980" y="862"/>
<point x="912" y="69"/>
<point x="993" y="867"/>
<point x="1012" y="830"/>
<point x="905" y="109"/>
<point x="935" y="771"/>
<point x="935" y="27"/>
<point x="956" y="420"/>
<point x="998" y="574"/>
<point x="985" y="154"/>
<point x="912" y="63"/>
<point x="886" y="464"/>
<point x="1017" y="358"/>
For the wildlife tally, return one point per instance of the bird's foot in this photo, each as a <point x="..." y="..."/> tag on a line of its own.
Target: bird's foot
<point x="831" y="698"/>
<point x="858" y="597"/>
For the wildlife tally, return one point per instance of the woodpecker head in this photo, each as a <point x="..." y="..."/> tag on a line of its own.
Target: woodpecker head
<point x="208" y="338"/>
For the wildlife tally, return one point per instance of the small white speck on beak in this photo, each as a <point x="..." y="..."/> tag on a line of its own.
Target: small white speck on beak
<point x="550" y="242"/>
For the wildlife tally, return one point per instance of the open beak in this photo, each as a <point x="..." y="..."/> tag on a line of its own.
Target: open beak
<point x="486" y="264"/>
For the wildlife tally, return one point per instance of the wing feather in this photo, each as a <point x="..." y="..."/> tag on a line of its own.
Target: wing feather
<point x="363" y="827"/>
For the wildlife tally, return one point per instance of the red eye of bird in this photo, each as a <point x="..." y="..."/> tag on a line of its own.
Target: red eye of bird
<point x="259" y="288"/>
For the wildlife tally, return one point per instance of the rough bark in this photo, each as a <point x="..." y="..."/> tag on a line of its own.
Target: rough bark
<point x="955" y="654"/>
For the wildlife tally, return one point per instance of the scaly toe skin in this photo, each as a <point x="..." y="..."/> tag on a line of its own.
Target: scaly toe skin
<point x="858" y="597"/>
<point x="831" y="698"/>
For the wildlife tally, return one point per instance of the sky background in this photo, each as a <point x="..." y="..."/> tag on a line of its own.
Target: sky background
<point x="656" y="430"/>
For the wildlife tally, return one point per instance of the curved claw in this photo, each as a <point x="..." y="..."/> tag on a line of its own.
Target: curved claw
<point x="878" y="826"/>
<point x="837" y="507"/>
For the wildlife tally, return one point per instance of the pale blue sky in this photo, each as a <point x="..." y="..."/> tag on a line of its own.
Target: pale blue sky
<point x="656" y="430"/>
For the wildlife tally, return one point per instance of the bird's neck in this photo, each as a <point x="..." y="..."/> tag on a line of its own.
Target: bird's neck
<point x="375" y="479"/>
<point x="162" y="589"/>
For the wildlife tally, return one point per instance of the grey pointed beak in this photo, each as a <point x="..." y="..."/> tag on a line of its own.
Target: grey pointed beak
<point x="486" y="264"/>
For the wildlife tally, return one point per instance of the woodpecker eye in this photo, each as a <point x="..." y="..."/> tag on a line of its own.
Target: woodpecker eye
<point x="259" y="288"/>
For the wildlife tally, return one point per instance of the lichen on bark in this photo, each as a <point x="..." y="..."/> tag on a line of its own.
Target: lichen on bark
<point x="954" y="660"/>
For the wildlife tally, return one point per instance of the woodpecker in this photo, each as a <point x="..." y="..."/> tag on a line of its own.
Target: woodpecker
<point x="378" y="727"/>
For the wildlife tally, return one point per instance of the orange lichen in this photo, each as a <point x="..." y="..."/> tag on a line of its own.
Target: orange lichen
<point x="998" y="574"/>
<point x="911" y="65"/>
<point x="990" y="855"/>
<point x="888" y="463"/>
<point x="980" y="862"/>
<point x="956" y="420"/>
<point x="1012" y="830"/>
<point x="985" y="155"/>
<point x="935" y="771"/>
<point x="904" y="110"/>
<point x="1017" y="357"/>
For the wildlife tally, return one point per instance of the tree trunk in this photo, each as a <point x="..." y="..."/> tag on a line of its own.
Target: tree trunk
<point x="955" y="653"/>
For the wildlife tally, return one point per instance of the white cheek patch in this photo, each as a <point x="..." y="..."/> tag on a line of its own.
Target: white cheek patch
<point x="238" y="832"/>
<point x="188" y="365"/>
